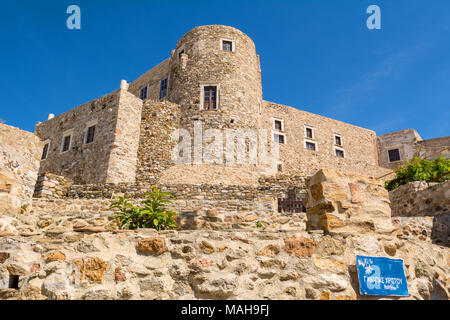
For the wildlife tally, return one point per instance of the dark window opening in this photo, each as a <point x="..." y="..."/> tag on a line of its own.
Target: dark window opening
<point x="227" y="45"/>
<point x="45" y="152"/>
<point x="163" y="88"/>
<point x="90" y="134"/>
<point x="311" y="146"/>
<point x="278" y="138"/>
<point x="309" y="133"/>
<point x="143" y="93"/>
<point x="290" y="205"/>
<point x="13" y="282"/>
<point x="339" y="153"/>
<point x="278" y="125"/>
<point x="180" y="53"/>
<point x="210" y="100"/>
<point x="337" y="140"/>
<point x="66" y="143"/>
<point x="394" y="155"/>
<point x="280" y="167"/>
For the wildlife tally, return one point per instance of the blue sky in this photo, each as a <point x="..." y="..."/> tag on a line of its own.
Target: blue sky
<point x="316" y="55"/>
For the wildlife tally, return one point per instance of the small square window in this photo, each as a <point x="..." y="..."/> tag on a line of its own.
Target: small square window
<point x="66" y="143"/>
<point x="45" y="151"/>
<point x="337" y="140"/>
<point x="339" y="153"/>
<point x="163" y="87"/>
<point x="180" y="53"/>
<point x="278" y="125"/>
<point x="309" y="133"/>
<point x="310" y="146"/>
<point x="227" y="45"/>
<point x="90" y="134"/>
<point x="143" y="93"/>
<point x="394" y="155"/>
<point x="279" y="138"/>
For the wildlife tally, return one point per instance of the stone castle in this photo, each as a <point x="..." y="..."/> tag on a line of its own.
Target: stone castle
<point x="244" y="232"/>
<point x="213" y="76"/>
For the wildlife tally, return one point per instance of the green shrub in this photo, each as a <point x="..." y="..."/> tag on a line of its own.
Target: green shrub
<point x="420" y="170"/>
<point x="153" y="213"/>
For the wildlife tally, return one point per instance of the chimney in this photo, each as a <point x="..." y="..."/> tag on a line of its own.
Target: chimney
<point x="123" y="85"/>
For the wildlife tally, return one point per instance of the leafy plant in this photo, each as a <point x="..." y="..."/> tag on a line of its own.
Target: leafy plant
<point x="417" y="169"/>
<point x="153" y="213"/>
<point x="258" y="224"/>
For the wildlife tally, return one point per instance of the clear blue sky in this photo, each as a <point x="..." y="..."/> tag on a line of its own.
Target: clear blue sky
<point x="316" y="55"/>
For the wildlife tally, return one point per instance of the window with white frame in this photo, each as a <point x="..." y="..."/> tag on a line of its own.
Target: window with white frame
<point x="89" y="135"/>
<point x="143" y="93"/>
<point x="339" y="152"/>
<point x="45" y="150"/>
<point x="163" y="85"/>
<point x="337" y="139"/>
<point x="227" y="45"/>
<point x="209" y="96"/>
<point x="309" y="132"/>
<point x="310" y="145"/>
<point x="278" y="124"/>
<point x="66" y="143"/>
<point x="279" y="137"/>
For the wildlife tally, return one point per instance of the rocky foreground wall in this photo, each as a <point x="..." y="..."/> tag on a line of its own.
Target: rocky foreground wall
<point x="144" y="264"/>
<point x="71" y="249"/>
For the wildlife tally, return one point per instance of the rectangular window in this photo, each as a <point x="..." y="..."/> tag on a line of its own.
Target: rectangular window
<point x="309" y="133"/>
<point x="45" y="151"/>
<point x="279" y="167"/>
<point x="143" y="93"/>
<point x="310" y="145"/>
<point x="90" y="134"/>
<point x="163" y="84"/>
<point x="279" y="138"/>
<point x="180" y="53"/>
<point x="278" y="125"/>
<point x="339" y="153"/>
<point x="227" y="45"/>
<point x="210" y="97"/>
<point x="66" y="143"/>
<point x="337" y="140"/>
<point x="394" y="155"/>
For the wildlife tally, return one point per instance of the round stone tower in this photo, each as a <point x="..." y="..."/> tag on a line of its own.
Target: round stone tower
<point x="215" y="78"/>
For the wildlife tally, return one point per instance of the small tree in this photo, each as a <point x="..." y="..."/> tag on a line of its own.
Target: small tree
<point x="417" y="169"/>
<point x="153" y="214"/>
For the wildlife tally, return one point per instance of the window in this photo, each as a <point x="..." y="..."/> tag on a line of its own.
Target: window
<point x="180" y="53"/>
<point x="279" y="138"/>
<point x="227" y="45"/>
<point x="210" y="97"/>
<point x="278" y="125"/>
<point x="311" y="145"/>
<point x="45" y="151"/>
<point x="309" y="132"/>
<point x="394" y="155"/>
<point x="66" y="141"/>
<point x="279" y="167"/>
<point x="163" y="87"/>
<point x="339" y="152"/>
<point x="337" y="140"/>
<point x="143" y="93"/>
<point x="90" y="134"/>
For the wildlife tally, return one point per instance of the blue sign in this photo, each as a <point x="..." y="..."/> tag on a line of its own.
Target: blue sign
<point x="381" y="276"/>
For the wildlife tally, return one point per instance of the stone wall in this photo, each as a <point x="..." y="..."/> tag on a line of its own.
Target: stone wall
<point x="359" y="144"/>
<point x="423" y="209"/>
<point x="111" y="157"/>
<point x="150" y="79"/>
<point x="404" y="141"/>
<point x="20" y="153"/>
<point x="49" y="185"/>
<point x="429" y="148"/>
<point x="144" y="264"/>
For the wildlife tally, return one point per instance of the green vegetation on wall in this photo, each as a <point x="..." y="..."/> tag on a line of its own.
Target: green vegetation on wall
<point x="417" y="169"/>
<point x="153" y="213"/>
